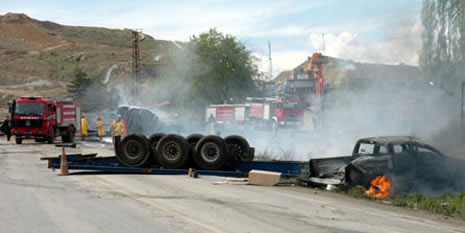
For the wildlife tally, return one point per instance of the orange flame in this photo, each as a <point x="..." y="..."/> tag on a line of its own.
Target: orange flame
<point x="379" y="187"/>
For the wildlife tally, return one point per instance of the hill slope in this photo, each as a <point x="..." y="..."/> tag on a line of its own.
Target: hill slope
<point x="44" y="56"/>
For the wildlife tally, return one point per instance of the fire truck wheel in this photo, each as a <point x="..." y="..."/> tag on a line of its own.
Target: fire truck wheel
<point x="39" y="140"/>
<point x="51" y="138"/>
<point x="71" y="136"/>
<point x="153" y="141"/>
<point x="173" y="151"/>
<point x="67" y="137"/>
<point x="210" y="153"/>
<point x="19" y="140"/>
<point x="134" y="150"/>
<point x="242" y="152"/>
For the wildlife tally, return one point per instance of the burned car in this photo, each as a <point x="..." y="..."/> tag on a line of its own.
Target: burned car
<point x="405" y="161"/>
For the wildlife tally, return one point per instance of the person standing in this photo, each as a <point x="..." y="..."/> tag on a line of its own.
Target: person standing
<point x="211" y="123"/>
<point x="100" y="128"/>
<point x="112" y="130"/>
<point x="119" y="131"/>
<point x="83" y="128"/>
<point x="6" y="128"/>
<point x="123" y="122"/>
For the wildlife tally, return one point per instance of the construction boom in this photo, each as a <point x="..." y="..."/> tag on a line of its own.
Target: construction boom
<point x="314" y="69"/>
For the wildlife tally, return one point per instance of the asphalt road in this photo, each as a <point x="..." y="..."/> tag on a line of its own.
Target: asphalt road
<point x="34" y="199"/>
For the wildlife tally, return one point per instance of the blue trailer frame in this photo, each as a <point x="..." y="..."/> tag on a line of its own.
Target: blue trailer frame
<point x="111" y="164"/>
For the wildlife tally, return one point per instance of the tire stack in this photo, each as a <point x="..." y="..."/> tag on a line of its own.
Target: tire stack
<point x="174" y="151"/>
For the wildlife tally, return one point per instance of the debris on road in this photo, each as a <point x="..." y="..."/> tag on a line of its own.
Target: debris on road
<point x="267" y="178"/>
<point x="233" y="181"/>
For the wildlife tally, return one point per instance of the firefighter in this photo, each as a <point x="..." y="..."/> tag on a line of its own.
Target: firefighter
<point x="119" y="130"/>
<point x="83" y="128"/>
<point x="211" y="123"/>
<point x="100" y="128"/>
<point x="123" y="122"/>
<point x="112" y="130"/>
<point x="6" y="128"/>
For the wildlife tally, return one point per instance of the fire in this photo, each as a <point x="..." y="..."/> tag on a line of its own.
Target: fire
<point x="379" y="187"/>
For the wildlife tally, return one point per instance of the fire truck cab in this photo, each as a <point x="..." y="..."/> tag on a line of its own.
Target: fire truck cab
<point x="288" y="114"/>
<point x="44" y="119"/>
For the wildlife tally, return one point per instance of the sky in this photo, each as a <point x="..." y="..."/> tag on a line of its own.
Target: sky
<point x="373" y="31"/>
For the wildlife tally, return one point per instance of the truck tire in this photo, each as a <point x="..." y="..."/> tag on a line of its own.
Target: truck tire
<point x="39" y="139"/>
<point x="19" y="141"/>
<point x="193" y="139"/>
<point x="173" y="151"/>
<point x="66" y="138"/>
<point x="67" y="134"/>
<point x="210" y="153"/>
<point x="51" y="138"/>
<point x="242" y="152"/>
<point x="71" y="137"/>
<point x="133" y="150"/>
<point x="153" y="141"/>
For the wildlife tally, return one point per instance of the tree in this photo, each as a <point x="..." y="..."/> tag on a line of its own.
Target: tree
<point x="79" y="84"/>
<point x="230" y="67"/>
<point x="92" y="94"/>
<point x="442" y="57"/>
<point x="211" y="68"/>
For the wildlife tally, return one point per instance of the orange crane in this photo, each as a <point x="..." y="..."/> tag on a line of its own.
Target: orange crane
<point x="315" y="70"/>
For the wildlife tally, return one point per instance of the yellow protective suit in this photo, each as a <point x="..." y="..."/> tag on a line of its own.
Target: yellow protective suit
<point x="112" y="128"/>
<point x="100" y="128"/>
<point x="83" y="127"/>
<point x="119" y="130"/>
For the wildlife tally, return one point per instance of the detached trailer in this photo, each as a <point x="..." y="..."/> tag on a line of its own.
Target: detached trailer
<point x="174" y="154"/>
<point x="91" y="162"/>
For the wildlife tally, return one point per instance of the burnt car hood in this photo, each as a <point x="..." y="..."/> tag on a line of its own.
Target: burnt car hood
<point x="372" y="164"/>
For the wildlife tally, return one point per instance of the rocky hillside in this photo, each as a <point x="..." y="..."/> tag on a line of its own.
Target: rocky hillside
<point x="339" y="72"/>
<point x="42" y="57"/>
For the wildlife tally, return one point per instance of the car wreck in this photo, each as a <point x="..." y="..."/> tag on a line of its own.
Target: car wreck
<point x="403" y="161"/>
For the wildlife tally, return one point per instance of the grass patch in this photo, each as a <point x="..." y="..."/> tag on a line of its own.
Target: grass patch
<point x="449" y="205"/>
<point x="290" y="181"/>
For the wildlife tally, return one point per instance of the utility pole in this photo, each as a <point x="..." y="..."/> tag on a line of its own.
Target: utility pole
<point x="462" y="112"/>
<point x="135" y="64"/>
<point x="270" y="72"/>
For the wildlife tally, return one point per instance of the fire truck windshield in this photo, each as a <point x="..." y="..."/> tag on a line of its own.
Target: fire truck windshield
<point x="30" y="109"/>
<point x="289" y="106"/>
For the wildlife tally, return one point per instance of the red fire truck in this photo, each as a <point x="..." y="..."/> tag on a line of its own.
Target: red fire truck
<point x="44" y="119"/>
<point x="275" y="113"/>
<point x="267" y="113"/>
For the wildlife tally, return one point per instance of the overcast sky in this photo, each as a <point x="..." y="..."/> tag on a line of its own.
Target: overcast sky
<point x="376" y="31"/>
